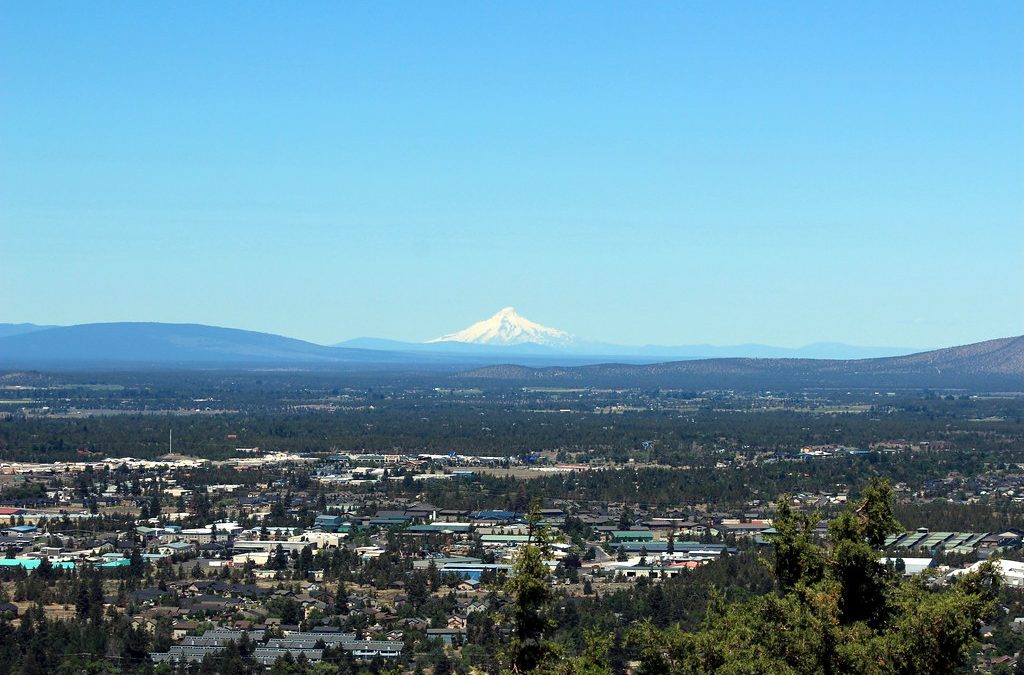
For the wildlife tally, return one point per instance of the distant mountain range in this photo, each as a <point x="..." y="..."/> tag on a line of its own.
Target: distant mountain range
<point x="189" y="345"/>
<point x="506" y="337"/>
<point x="161" y="343"/>
<point x="20" y="328"/>
<point x="993" y="365"/>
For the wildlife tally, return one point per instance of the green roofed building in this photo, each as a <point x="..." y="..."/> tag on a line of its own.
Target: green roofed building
<point x="632" y="535"/>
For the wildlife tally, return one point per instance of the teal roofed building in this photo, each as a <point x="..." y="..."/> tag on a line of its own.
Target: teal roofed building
<point x="328" y="522"/>
<point x="122" y="562"/>
<point x="33" y="563"/>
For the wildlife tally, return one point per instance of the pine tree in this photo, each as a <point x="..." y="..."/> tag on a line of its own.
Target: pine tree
<point x="838" y="610"/>
<point x="341" y="599"/>
<point x="530" y="593"/>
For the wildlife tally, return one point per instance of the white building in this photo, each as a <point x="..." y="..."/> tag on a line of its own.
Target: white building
<point x="1011" y="571"/>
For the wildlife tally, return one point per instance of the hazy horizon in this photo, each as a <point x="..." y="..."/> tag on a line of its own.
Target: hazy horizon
<point x="646" y="174"/>
<point x="582" y="338"/>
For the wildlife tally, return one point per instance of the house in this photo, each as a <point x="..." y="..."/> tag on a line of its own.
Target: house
<point x="148" y="619"/>
<point x="146" y="595"/>
<point x="211" y="604"/>
<point x="743" y="527"/>
<point x="198" y="535"/>
<point x="698" y="530"/>
<point x="213" y="549"/>
<point x="417" y="623"/>
<point x="446" y="635"/>
<point x="495" y="516"/>
<point x="476" y="605"/>
<point x="182" y="628"/>
<point x="181" y="548"/>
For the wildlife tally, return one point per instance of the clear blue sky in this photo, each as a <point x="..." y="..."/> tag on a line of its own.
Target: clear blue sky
<point x="669" y="173"/>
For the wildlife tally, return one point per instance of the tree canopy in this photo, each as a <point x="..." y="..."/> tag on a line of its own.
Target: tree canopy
<point x="837" y="609"/>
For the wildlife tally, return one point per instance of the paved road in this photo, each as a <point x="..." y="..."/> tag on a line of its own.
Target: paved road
<point x="600" y="556"/>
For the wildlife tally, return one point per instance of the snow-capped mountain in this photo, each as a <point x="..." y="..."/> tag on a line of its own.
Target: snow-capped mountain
<point x="508" y="334"/>
<point x="506" y="328"/>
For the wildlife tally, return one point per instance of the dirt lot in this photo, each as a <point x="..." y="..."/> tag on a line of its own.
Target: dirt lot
<point x="53" y="612"/>
<point x="517" y="472"/>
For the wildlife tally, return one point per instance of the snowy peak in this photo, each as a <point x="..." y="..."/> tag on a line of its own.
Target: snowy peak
<point x="508" y="327"/>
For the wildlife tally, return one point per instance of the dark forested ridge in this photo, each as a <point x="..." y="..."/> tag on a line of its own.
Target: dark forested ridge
<point x="210" y="416"/>
<point x="993" y="365"/>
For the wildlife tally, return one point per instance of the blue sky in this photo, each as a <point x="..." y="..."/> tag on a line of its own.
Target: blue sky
<point x="668" y="173"/>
